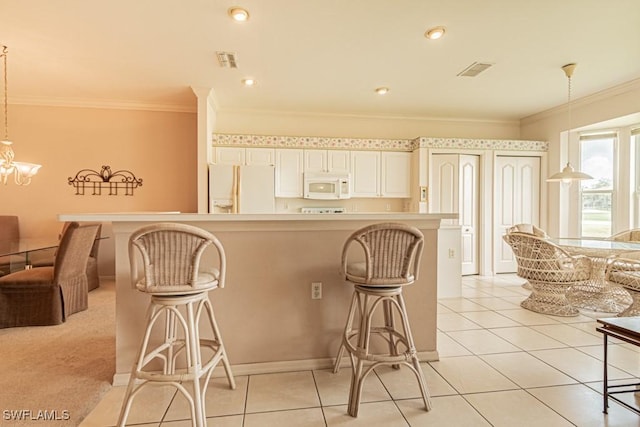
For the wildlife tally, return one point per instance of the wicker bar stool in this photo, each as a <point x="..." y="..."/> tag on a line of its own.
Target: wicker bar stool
<point x="171" y="256"/>
<point x="392" y="258"/>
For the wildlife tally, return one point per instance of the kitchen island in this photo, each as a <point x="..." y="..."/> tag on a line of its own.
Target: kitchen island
<point x="268" y="319"/>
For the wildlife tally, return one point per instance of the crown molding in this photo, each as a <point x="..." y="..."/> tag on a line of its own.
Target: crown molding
<point x="103" y="104"/>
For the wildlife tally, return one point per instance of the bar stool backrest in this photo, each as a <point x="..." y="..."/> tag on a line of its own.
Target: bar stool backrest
<point x="171" y="255"/>
<point x="392" y="254"/>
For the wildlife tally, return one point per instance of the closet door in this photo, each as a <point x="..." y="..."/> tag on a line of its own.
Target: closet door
<point x="469" y="212"/>
<point x="455" y="188"/>
<point x="517" y="200"/>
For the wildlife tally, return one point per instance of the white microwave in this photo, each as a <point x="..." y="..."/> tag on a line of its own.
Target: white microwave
<point x="327" y="186"/>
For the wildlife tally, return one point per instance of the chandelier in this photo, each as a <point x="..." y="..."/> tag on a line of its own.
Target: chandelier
<point x="21" y="171"/>
<point x="568" y="174"/>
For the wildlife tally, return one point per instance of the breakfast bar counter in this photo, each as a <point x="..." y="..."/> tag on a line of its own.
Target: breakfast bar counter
<point x="268" y="319"/>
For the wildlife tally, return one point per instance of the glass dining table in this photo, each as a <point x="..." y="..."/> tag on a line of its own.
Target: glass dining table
<point x="597" y="294"/>
<point x="21" y="254"/>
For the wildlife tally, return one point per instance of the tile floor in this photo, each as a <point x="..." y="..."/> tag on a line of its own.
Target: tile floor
<point x="500" y="365"/>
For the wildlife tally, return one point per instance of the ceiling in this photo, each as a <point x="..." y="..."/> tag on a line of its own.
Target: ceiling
<point x="320" y="56"/>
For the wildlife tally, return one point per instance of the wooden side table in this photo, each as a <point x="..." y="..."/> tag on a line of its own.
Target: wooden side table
<point x="626" y="329"/>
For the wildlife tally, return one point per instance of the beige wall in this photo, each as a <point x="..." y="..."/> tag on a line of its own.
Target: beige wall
<point x="392" y="127"/>
<point x="159" y="147"/>
<point x="621" y="101"/>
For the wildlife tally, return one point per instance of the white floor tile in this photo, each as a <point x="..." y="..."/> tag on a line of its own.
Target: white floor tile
<point x="526" y="371"/>
<point x="577" y="364"/>
<point x="527" y="317"/>
<point x="334" y="388"/>
<point x="470" y="374"/>
<point x="455" y="322"/>
<point x="495" y="303"/>
<point x="568" y="335"/>
<point x="482" y="341"/>
<point x="448" y="347"/>
<point x="402" y="383"/>
<point x="583" y="406"/>
<point x="618" y="356"/>
<point x="515" y="408"/>
<point x="527" y="338"/>
<point x="281" y="391"/>
<point x="376" y="414"/>
<point x="490" y="319"/>
<point x="460" y="305"/>
<point x="312" y="417"/>
<point x="446" y="411"/>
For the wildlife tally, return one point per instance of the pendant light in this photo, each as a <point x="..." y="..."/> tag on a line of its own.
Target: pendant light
<point x="22" y="172"/>
<point x="568" y="174"/>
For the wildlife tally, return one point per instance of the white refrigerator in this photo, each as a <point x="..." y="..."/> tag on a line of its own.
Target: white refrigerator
<point x="241" y="189"/>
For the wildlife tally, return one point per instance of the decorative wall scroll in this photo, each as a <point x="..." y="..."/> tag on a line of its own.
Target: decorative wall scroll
<point x="113" y="181"/>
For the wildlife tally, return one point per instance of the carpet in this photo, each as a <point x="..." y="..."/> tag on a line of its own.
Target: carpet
<point x="55" y="375"/>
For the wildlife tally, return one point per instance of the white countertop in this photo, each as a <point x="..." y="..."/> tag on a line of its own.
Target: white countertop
<point x="194" y="217"/>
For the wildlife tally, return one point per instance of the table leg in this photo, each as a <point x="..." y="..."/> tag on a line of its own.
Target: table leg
<point x="605" y="385"/>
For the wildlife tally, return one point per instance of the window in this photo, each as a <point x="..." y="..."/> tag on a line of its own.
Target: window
<point x="597" y="195"/>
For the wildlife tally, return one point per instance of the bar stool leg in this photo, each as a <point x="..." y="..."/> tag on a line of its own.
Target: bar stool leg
<point x="218" y="340"/>
<point x="348" y="331"/>
<point x="358" y="359"/>
<point x="417" y="369"/>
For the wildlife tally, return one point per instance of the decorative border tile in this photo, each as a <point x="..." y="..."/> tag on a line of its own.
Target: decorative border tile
<point x="483" y="144"/>
<point x="273" y="141"/>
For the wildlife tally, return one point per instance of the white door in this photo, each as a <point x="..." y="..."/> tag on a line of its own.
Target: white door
<point x="469" y="208"/>
<point x="517" y="200"/>
<point x="455" y="184"/>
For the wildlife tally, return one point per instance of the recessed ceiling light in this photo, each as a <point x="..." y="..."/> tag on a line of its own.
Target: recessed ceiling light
<point x="239" y="14"/>
<point x="382" y="90"/>
<point x="248" y="82"/>
<point x="434" y="33"/>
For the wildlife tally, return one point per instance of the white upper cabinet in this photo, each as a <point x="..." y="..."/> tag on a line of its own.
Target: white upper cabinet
<point x="395" y="179"/>
<point x="244" y="156"/>
<point x="365" y="174"/>
<point x="334" y="161"/>
<point x="229" y="156"/>
<point x="289" y="167"/>
<point x="260" y="156"/>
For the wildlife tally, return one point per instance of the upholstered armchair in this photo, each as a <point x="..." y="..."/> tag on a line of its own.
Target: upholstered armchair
<point x="9" y="232"/>
<point x="48" y="259"/>
<point x="550" y="270"/>
<point x="48" y="295"/>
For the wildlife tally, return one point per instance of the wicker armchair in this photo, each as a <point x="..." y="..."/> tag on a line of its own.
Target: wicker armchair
<point x="632" y="235"/>
<point x="625" y="272"/>
<point x="550" y="270"/>
<point x="528" y="229"/>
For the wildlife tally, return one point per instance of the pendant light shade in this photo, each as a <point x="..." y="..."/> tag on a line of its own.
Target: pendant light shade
<point x="568" y="175"/>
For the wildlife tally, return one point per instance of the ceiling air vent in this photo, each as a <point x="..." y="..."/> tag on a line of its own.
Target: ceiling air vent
<point x="474" y="69"/>
<point x="227" y="59"/>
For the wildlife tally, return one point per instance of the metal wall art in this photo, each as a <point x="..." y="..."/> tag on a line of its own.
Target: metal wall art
<point x="113" y="181"/>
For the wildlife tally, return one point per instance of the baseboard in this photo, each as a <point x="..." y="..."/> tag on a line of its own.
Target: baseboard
<point x="121" y="379"/>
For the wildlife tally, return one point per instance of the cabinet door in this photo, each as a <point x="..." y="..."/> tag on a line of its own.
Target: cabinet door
<point x="365" y="173"/>
<point x="260" y="156"/>
<point x="315" y="161"/>
<point x="229" y="155"/>
<point x="395" y="179"/>
<point x="289" y="166"/>
<point x="339" y="161"/>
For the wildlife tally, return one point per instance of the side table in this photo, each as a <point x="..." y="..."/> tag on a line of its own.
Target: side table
<point x="626" y="329"/>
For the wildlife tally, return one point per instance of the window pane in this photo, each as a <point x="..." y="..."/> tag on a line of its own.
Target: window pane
<point x="597" y="161"/>
<point x="596" y="214"/>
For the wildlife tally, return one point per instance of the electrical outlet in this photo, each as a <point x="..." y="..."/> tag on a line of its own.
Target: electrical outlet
<point x="316" y="290"/>
<point x="452" y="253"/>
